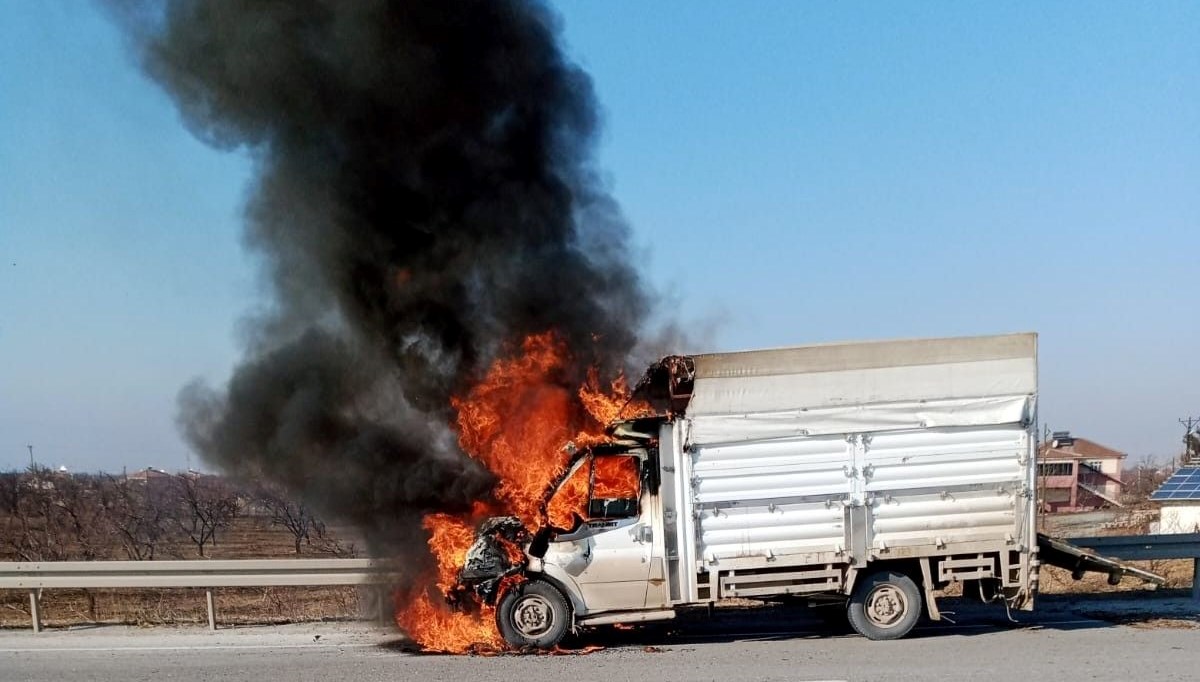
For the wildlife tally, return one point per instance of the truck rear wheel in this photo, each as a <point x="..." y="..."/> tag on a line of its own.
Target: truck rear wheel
<point x="885" y="605"/>
<point x="533" y="614"/>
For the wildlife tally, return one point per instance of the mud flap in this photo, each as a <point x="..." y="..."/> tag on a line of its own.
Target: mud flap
<point x="1077" y="560"/>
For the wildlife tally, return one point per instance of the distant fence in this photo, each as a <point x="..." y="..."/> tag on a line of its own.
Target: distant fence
<point x="1148" y="548"/>
<point x="36" y="576"/>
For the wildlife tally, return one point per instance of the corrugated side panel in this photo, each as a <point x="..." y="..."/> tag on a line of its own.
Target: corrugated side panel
<point x="769" y="498"/>
<point x="948" y="485"/>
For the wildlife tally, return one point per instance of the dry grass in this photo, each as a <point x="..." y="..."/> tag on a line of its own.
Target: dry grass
<point x="1156" y="623"/>
<point x="1178" y="573"/>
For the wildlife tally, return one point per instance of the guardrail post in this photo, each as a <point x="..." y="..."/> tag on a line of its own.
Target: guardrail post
<point x="212" y="609"/>
<point x="382" y="610"/>
<point x="35" y="611"/>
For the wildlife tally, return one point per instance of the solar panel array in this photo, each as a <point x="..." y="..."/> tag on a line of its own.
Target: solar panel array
<point x="1184" y="484"/>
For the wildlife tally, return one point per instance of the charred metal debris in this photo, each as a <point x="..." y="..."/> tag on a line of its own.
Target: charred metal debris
<point x="497" y="554"/>
<point x="668" y="383"/>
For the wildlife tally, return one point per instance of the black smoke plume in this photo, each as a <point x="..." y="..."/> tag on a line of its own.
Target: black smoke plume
<point x="424" y="197"/>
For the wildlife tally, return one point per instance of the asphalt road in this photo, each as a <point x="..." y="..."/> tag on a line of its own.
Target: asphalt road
<point x="1066" y="642"/>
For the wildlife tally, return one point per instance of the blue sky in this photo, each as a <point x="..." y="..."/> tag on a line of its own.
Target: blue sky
<point x="794" y="172"/>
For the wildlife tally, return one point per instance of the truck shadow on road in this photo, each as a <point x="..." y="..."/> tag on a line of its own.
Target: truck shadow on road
<point x="1166" y="608"/>
<point x="781" y="622"/>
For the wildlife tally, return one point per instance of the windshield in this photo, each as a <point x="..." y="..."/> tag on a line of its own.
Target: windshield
<point x="600" y="488"/>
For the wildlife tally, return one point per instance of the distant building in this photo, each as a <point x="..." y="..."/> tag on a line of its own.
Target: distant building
<point x="1077" y="474"/>
<point x="150" y="476"/>
<point x="1180" y="498"/>
<point x="200" y="475"/>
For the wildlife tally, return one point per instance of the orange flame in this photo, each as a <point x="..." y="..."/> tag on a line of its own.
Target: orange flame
<point x="449" y="538"/>
<point x="570" y="499"/>
<point x="615" y="478"/>
<point x="430" y="621"/>
<point x="517" y="421"/>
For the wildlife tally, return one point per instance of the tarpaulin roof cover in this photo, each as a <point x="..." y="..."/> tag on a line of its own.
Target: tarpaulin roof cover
<point x="863" y="386"/>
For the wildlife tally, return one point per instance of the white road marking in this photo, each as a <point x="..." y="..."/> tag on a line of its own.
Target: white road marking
<point x="208" y="647"/>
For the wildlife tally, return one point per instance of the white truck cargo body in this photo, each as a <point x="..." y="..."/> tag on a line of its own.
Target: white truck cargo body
<point x="846" y="454"/>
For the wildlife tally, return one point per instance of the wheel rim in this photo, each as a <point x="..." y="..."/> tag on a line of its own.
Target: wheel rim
<point x="533" y="615"/>
<point x="886" y="606"/>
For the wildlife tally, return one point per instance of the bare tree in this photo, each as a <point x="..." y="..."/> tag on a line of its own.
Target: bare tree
<point x="205" y="505"/>
<point x="292" y="515"/>
<point x="55" y="517"/>
<point x="140" y="515"/>
<point x="10" y="492"/>
<point x="18" y="522"/>
<point x="1141" y="480"/>
<point x="326" y="543"/>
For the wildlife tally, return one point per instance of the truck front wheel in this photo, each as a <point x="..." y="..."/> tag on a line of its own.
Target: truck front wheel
<point x="533" y="614"/>
<point x="885" y="605"/>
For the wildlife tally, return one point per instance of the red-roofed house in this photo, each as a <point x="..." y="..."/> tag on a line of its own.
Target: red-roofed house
<point x="1076" y="474"/>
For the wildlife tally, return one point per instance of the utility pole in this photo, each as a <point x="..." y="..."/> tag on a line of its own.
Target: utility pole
<point x="1190" y="453"/>
<point x="33" y="467"/>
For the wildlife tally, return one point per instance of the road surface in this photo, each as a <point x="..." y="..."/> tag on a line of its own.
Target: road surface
<point x="1067" y="642"/>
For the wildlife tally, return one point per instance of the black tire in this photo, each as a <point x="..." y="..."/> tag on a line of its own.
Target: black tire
<point x="533" y="614"/>
<point x="885" y="605"/>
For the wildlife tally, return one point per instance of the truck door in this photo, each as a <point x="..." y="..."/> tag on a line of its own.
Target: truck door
<point x="616" y="540"/>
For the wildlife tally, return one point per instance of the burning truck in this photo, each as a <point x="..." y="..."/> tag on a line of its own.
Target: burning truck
<point x="860" y="477"/>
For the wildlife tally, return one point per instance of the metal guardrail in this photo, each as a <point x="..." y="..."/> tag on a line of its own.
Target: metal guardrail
<point x="1143" y="547"/>
<point x="36" y="576"/>
<point x="1148" y="548"/>
<point x="232" y="573"/>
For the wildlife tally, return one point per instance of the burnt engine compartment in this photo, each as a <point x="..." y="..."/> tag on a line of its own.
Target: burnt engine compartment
<point x="497" y="554"/>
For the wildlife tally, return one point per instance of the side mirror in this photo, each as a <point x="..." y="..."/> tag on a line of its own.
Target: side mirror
<point x="540" y="543"/>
